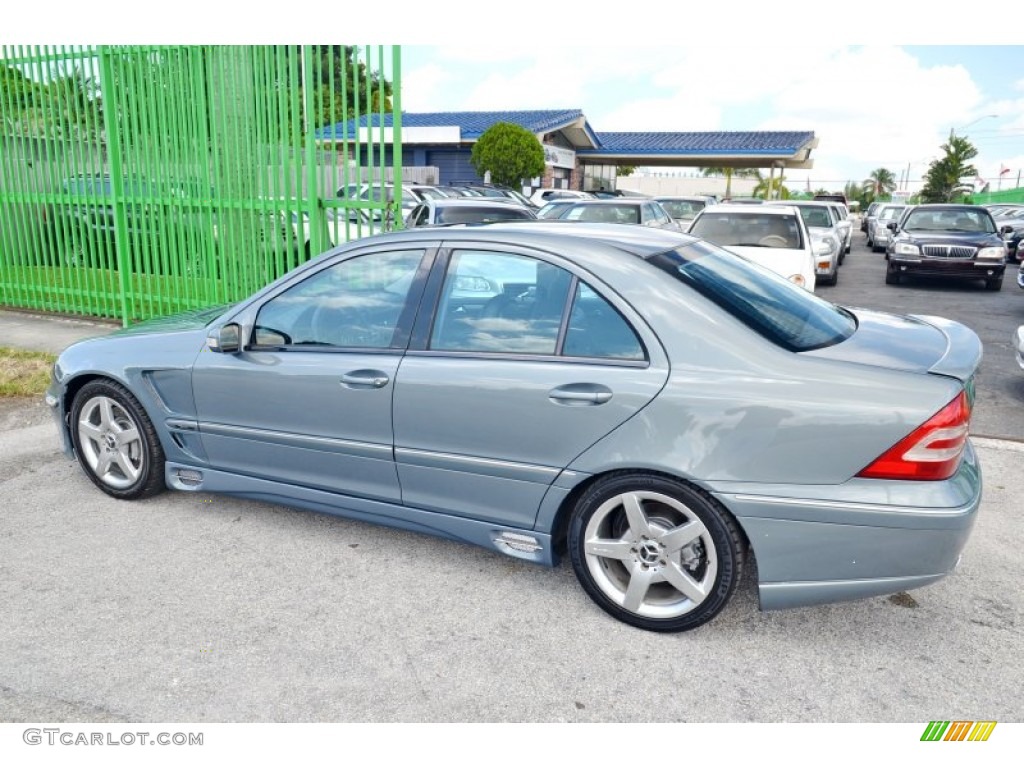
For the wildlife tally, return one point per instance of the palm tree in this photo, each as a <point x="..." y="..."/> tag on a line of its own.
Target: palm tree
<point x="739" y="173"/>
<point x="880" y="182"/>
<point x="766" y="186"/>
<point x="943" y="180"/>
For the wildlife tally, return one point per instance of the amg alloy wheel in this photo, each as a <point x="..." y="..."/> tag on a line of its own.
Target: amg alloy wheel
<point x="654" y="552"/>
<point x="115" y="441"/>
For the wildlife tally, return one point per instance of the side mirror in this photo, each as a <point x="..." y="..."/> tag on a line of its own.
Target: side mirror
<point x="1006" y="229"/>
<point x="891" y="226"/>
<point x="225" y="340"/>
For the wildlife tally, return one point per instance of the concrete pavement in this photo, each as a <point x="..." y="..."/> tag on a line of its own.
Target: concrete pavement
<point x="48" y="333"/>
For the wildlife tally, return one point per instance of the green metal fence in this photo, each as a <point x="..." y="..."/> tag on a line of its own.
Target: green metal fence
<point x="1015" y="195"/>
<point x="140" y="181"/>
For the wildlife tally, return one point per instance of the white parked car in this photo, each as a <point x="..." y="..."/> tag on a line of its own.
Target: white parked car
<point x="773" y="236"/>
<point x="845" y="226"/>
<point x="826" y="239"/>
<point x="542" y="197"/>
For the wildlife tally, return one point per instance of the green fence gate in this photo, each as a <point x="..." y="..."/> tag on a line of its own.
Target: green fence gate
<point x="141" y="181"/>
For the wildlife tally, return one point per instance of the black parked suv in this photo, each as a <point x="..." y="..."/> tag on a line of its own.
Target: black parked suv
<point x="946" y="240"/>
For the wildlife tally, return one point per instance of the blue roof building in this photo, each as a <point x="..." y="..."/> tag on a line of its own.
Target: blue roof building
<point x="576" y="155"/>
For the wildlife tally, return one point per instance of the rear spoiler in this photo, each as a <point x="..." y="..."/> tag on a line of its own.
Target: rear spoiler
<point x="963" y="348"/>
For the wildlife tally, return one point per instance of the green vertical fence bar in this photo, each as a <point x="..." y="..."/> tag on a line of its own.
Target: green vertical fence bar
<point x="137" y="181"/>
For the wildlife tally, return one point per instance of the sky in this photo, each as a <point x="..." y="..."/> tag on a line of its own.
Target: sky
<point x="881" y="84"/>
<point x="870" y="106"/>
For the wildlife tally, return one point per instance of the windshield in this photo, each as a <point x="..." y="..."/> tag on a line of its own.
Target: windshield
<point x="891" y="212"/>
<point x="682" y="209"/>
<point x="772" y="306"/>
<point x="754" y="229"/>
<point x="815" y="217"/>
<point x="609" y="214"/>
<point x="472" y="214"/>
<point x="949" y="220"/>
<point x="554" y="210"/>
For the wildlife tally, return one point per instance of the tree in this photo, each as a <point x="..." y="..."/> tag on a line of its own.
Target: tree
<point x="880" y="182"/>
<point x="510" y="152"/>
<point x="766" y="187"/>
<point x="739" y="173"/>
<point x="626" y="170"/>
<point x="344" y="86"/>
<point x="854" y="191"/>
<point x="943" y="181"/>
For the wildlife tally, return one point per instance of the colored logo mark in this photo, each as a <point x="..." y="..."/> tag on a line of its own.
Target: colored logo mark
<point x="958" y="730"/>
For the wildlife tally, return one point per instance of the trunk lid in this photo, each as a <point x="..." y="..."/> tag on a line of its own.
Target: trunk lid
<point x="916" y="343"/>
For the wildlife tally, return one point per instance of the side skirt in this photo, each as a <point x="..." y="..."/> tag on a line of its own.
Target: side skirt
<point x="519" y="543"/>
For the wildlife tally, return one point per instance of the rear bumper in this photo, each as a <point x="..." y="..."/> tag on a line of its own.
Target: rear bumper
<point x="821" y="550"/>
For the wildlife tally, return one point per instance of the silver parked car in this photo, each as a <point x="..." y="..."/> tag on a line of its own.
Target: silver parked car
<point x="467" y="210"/>
<point x="878" y="228"/>
<point x="618" y="210"/>
<point x="660" y="410"/>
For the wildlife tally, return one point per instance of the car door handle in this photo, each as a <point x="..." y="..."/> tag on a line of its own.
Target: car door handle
<point x="580" y="394"/>
<point x="364" y="379"/>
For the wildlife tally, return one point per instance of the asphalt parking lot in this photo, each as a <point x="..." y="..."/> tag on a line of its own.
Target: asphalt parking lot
<point x="193" y="608"/>
<point x="999" y="408"/>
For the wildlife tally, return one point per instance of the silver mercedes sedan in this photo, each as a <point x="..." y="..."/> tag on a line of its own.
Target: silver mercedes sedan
<point x="663" y="412"/>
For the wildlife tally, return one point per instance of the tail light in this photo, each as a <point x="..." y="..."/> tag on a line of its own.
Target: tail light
<point x="930" y="452"/>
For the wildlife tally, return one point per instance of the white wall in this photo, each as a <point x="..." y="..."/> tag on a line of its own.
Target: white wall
<point x="684" y="185"/>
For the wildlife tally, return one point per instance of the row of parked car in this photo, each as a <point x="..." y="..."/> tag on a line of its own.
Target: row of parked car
<point x="804" y="241"/>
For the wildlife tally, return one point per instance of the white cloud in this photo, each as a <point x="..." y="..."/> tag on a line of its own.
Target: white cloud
<point x="870" y="107"/>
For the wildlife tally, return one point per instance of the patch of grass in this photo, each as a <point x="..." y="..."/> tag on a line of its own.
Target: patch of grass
<point x="24" y="373"/>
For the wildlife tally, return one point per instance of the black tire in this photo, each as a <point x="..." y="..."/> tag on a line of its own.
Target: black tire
<point x="995" y="284"/>
<point x="891" y="277"/>
<point x="706" y="558"/>
<point x="835" y="278"/>
<point x="102" y="412"/>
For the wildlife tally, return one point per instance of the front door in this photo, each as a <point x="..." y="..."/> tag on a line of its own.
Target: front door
<point x="308" y="401"/>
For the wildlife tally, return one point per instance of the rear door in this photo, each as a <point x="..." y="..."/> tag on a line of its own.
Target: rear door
<point x="524" y="363"/>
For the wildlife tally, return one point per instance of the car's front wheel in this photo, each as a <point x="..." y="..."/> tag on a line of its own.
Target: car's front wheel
<point x="996" y="284"/>
<point x="654" y="552"/>
<point x="115" y="441"/>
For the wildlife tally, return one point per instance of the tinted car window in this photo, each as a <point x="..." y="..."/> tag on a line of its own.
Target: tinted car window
<point x="748" y="229"/>
<point x="772" y="306"/>
<point x="948" y="220"/>
<point x="465" y="214"/>
<point x="355" y="303"/>
<point x="682" y="209"/>
<point x="608" y="214"/>
<point x="815" y="217"/>
<point x="500" y="302"/>
<point x="596" y="329"/>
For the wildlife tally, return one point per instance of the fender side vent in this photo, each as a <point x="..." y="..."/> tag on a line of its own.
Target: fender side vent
<point x="189" y="477"/>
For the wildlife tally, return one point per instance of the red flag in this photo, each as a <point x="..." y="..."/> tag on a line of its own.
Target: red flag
<point x="1003" y="169"/>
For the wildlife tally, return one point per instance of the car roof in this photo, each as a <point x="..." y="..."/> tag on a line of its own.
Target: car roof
<point x="775" y="209"/>
<point x="474" y="202"/>
<point x="548" y="234"/>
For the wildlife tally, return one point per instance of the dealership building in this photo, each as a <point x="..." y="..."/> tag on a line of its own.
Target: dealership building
<point x="576" y="156"/>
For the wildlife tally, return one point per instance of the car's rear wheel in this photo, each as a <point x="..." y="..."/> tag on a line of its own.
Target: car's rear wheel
<point x="115" y="441"/>
<point x="654" y="552"/>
